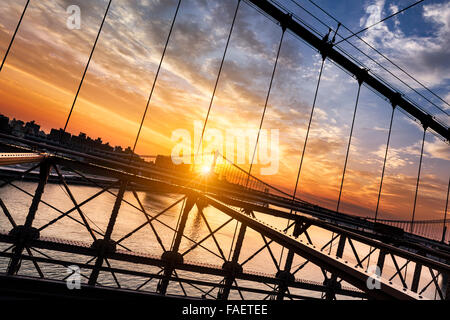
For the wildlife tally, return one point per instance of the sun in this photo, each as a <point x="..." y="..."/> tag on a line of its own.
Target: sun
<point x="205" y="170"/>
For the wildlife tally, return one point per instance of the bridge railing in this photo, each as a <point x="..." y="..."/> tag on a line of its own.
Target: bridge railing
<point x="230" y="172"/>
<point x="431" y="229"/>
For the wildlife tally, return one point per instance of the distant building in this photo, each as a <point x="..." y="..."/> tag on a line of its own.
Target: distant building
<point x="4" y="124"/>
<point x="98" y="141"/>
<point x="128" y="150"/>
<point x="31" y="128"/>
<point x="79" y="142"/>
<point x="59" y="136"/>
<point x="32" y="131"/>
<point x="108" y="147"/>
<point x="17" y="128"/>
<point x="167" y="163"/>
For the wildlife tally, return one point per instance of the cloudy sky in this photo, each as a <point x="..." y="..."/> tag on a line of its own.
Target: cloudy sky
<point x="47" y="60"/>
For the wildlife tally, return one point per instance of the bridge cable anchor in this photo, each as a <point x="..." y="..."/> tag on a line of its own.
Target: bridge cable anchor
<point x="362" y="75"/>
<point x="286" y="21"/>
<point x="395" y="99"/>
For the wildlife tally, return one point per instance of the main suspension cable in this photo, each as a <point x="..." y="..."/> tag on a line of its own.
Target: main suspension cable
<point x="382" y="20"/>
<point x="366" y="55"/>
<point x="382" y="55"/>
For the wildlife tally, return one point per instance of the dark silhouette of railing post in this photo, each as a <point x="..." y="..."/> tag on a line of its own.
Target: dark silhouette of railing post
<point x="232" y="267"/>
<point x="26" y="233"/>
<point x="106" y="246"/>
<point x="173" y="257"/>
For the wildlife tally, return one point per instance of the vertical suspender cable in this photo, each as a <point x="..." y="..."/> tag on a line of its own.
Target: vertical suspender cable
<point x="218" y="78"/>
<point x="307" y="131"/>
<point x="262" y="118"/>
<point x="87" y="65"/>
<point x="156" y="77"/>
<point x="304" y="145"/>
<point x="265" y="104"/>
<point x="348" y="146"/>
<point x="384" y="162"/>
<point x="14" y="34"/>
<point x="418" y="180"/>
<point x="215" y="85"/>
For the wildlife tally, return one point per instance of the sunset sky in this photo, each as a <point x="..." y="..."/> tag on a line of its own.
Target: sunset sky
<point x="46" y="62"/>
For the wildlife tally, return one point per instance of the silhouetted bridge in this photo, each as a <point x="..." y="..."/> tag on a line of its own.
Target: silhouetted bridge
<point x="411" y="264"/>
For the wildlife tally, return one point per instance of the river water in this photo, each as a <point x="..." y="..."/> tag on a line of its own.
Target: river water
<point x="98" y="212"/>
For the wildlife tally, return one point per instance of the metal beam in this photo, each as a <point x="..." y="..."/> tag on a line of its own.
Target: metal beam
<point x="327" y="50"/>
<point x="105" y="246"/>
<point x="173" y="257"/>
<point x="24" y="234"/>
<point x="9" y="158"/>
<point x="355" y="276"/>
<point x="232" y="267"/>
<point x="80" y="248"/>
<point x="156" y="181"/>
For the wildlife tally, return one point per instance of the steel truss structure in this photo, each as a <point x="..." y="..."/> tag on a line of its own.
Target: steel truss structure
<point x="363" y="259"/>
<point x="343" y="261"/>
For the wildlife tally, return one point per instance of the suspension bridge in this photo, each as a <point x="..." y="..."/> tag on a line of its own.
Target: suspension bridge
<point x="307" y="251"/>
